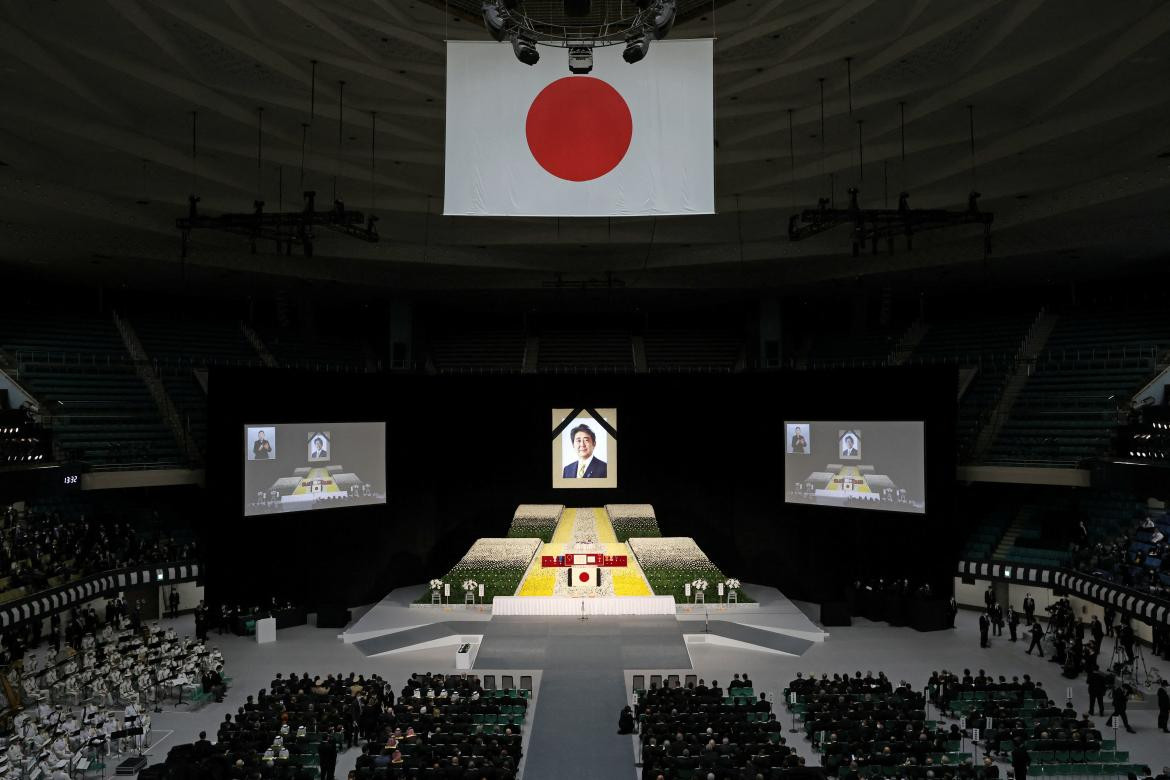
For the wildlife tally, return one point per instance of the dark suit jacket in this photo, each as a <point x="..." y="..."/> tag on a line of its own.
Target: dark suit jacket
<point x="849" y="453"/>
<point x="597" y="470"/>
<point x="320" y="454"/>
<point x="258" y="453"/>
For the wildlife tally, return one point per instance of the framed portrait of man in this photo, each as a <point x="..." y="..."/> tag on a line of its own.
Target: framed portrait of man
<point x="584" y="448"/>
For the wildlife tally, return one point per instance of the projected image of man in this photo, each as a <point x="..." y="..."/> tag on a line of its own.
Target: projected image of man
<point x="319" y="450"/>
<point x="849" y="447"/>
<point x="587" y="466"/>
<point x="261" y="448"/>
<point x="799" y="444"/>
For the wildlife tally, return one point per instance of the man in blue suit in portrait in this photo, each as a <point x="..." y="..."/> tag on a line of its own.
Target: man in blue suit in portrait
<point x="587" y="466"/>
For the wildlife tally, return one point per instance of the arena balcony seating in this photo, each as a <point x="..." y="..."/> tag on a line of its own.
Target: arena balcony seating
<point x="989" y="344"/>
<point x="686" y="350"/>
<point x="55" y="541"/>
<point x="872" y="347"/>
<point x="1093" y="362"/>
<point x="193" y="342"/>
<point x="321" y="352"/>
<point x="587" y="349"/>
<point x="96" y="405"/>
<point x="190" y="400"/>
<point x="479" y="349"/>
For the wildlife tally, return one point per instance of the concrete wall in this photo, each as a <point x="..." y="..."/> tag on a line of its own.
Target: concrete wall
<point x="190" y="594"/>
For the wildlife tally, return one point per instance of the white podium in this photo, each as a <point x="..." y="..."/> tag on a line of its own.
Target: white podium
<point x="265" y="630"/>
<point x="465" y="656"/>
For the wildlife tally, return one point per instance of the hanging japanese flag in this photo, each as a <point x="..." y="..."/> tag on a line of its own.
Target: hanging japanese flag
<point x="584" y="577"/>
<point x="536" y="141"/>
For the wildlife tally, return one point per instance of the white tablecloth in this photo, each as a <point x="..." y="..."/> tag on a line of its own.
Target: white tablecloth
<point x="562" y="605"/>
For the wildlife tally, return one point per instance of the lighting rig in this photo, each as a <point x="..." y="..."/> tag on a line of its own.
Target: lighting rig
<point x="286" y="228"/>
<point x="579" y="26"/>
<point x="870" y="226"/>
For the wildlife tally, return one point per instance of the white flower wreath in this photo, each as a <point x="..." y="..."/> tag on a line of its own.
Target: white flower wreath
<point x="436" y="584"/>
<point x="732" y="583"/>
<point x="699" y="584"/>
<point x="470" y="585"/>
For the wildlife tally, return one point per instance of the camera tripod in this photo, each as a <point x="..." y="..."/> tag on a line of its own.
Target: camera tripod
<point x="1134" y="672"/>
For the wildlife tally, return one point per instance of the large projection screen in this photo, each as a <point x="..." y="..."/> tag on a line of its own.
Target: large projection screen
<point x="856" y="464"/>
<point x="297" y="467"/>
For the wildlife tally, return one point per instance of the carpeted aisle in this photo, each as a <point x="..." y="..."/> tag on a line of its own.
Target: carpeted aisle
<point x="582" y="688"/>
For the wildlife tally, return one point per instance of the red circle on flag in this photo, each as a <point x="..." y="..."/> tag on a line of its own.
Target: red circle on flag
<point x="579" y="128"/>
<point x="583" y="576"/>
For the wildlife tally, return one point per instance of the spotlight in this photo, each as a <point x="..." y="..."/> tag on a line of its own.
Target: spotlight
<point x="637" y="44"/>
<point x="664" y="18"/>
<point x="525" y="48"/>
<point x="580" y="59"/>
<point x="495" y="20"/>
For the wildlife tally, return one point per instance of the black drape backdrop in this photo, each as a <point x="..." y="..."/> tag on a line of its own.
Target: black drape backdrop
<point x="462" y="452"/>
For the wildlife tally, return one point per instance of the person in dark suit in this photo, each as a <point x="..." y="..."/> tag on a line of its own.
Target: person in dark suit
<point x="202" y="747"/>
<point x="587" y="466"/>
<point x="1163" y="706"/>
<point x="1097" y="687"/>
<point x="848" y="450"/>
<point x="327" y="753"/>
<point x="1037" y="635"/>
<point x="1029" y="609"/>
<point x="1120" y="704"/>
<point x="261" y="448"/>
<point x="799" y="443"/>
<point x="1020" y="761"/>
<point x="1013" y="621"/>
<point x="984" y="626"/>
<point x="319" y="451"/>
<point x="626" y="721"/>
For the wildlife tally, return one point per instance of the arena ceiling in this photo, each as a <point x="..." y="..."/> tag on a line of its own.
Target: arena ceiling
<point x="1070" y="105"/>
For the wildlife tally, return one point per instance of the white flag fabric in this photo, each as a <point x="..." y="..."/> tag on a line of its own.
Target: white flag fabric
<point x="537" y="141"/>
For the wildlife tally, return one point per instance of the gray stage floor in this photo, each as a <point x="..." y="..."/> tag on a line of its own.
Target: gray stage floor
<point x="582" y="674"/>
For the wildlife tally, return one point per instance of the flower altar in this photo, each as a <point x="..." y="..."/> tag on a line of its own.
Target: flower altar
<point x="673" y="562"/>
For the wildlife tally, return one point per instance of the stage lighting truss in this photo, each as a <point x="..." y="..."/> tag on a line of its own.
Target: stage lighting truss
<point x="286" y="229"/>
<point x="870" y="226"/>
<point x="579" y="26"/>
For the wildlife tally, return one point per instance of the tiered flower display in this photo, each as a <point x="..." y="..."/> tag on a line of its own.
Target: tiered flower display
<point x="535" y="521"/>
<point x="630" y="520"/>
<point x="496" y="563"/>
<point x="671" y="563"/>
